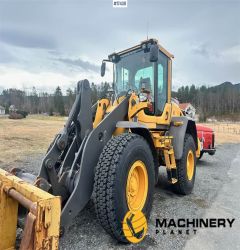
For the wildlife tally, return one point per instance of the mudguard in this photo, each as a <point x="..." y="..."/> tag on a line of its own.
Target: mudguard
<point x="178" y="132"/>
<point x="142" y="129"/>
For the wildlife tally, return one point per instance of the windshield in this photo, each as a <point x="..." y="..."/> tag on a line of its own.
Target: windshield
<point x="135" y="72"/>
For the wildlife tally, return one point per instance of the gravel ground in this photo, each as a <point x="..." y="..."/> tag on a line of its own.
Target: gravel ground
<point x="212" y="174"/>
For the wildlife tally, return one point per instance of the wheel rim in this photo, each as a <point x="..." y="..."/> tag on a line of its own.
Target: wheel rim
<point x="190" y="165"/>
<point x="137" y="186"/>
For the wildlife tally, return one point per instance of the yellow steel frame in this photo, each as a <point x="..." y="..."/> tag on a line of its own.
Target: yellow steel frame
<point x="198" y="152"/>
<point x="165" y="143"/>
<point x="136" y="108"/>
<point x="100" y="111"/>
<point x="42" y="225"/>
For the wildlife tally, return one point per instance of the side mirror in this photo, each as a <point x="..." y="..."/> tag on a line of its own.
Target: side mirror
<point x="103" y="68"/>
<point x="153" y="53"/>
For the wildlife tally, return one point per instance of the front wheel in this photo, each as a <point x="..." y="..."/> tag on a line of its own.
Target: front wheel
<point x="124" y="181"/>
<point x="186" y="167"/>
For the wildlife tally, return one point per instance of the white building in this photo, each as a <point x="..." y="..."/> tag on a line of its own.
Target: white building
<point x="188" y="109"/>
<point x="2" y="110"/>
<point x="12" y="108"/>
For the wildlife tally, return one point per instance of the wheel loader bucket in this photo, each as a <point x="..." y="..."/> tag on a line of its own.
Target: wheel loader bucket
<point x="42" y="223"/>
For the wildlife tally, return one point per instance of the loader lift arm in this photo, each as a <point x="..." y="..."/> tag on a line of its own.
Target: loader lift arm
<point x="69" y="164"/>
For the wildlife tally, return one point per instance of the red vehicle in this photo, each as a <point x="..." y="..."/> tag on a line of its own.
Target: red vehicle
<point x="207" y="138"/>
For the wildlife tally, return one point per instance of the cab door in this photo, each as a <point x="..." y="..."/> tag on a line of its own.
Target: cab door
<point x="161" y="86"/>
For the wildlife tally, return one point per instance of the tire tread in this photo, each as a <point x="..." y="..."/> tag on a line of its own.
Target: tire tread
<point x="104" y="183"/>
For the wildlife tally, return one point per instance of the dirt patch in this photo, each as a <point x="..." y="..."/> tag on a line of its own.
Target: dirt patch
<point x="30" y="136"/>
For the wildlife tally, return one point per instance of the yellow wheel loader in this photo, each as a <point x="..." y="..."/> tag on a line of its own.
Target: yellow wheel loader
<point x="110" y="151"/>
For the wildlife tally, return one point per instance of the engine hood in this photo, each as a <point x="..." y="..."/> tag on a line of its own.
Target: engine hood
<point x="203" y="128"/>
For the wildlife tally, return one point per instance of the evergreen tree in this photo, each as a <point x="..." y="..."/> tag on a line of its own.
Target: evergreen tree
<point x="34" y="100"/>
<point x="70" y="98"/>
<point x="192" y="94"/>
<point x="104" y="89"/>
<point x="58" y="101"/>
<point x="94" y="94"/>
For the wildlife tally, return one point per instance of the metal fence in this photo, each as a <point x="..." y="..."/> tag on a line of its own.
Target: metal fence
<point x="228" y="128"/>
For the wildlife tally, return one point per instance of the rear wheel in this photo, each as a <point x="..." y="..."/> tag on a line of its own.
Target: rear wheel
<point x="186" y="167"/>
<point x="124" y="181"/>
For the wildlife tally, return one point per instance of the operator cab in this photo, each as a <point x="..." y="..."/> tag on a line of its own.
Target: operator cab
<point x="144" y="70"/>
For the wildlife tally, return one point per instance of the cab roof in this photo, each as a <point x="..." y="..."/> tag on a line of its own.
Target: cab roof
<point x="143" y="45"/>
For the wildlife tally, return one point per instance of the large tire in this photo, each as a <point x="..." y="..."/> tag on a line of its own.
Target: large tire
<point x="111" y="179"/>
<point x="186" y="178"/>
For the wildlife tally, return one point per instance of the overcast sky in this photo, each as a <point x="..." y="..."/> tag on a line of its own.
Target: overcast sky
<point x="55" y="42"/>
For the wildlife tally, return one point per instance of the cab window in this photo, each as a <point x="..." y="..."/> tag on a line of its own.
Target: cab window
<point x="144" y="79"/>
<point x="125" y="78"/>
